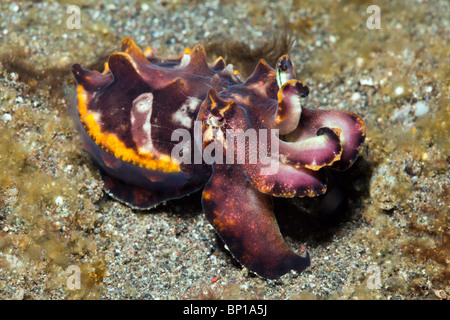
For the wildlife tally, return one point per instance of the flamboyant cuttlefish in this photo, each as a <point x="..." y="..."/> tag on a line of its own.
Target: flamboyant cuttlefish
<point x="160" y="129"/>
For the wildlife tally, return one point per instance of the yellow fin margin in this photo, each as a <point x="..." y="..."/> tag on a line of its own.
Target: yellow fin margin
<point x="112" y="143"/>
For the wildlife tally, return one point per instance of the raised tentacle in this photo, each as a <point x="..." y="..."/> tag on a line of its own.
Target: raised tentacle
<point x="313" y="152"/>
<point x="289" y="106"/>
<point x="284" y="70"/>
<point x="352" y="131"/>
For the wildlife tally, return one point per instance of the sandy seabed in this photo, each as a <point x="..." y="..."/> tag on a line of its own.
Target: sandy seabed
<point x="390" y="241"/>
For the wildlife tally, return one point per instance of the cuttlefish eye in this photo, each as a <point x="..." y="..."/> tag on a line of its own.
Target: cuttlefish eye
<point x="216" y="121"/>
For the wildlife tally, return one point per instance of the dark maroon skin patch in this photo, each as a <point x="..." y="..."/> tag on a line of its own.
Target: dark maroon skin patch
<point x="127" y="115"/>
<point x="248" y="226"/>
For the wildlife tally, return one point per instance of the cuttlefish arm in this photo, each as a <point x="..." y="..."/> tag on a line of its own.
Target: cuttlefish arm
<point x="321" y="148"/>
<point x="244" y="219"/>
<point x="349" y="127"/>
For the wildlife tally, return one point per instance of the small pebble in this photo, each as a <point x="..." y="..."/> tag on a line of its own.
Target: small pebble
<point x="420" y="108"/>
<point x="399" y="91"/>
<point x="366" y="82"/>
<point x="59" y="200"/>
<point x="356" y="96"/>
<point x="6" y="117"/>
